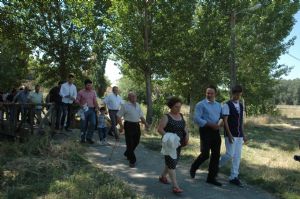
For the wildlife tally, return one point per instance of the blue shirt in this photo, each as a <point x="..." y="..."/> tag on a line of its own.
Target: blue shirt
<point x="206" y="111"/>
<point x="102" y="121"/>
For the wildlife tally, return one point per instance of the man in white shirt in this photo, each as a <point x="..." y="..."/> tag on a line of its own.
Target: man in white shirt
<point x="113" y="102"/>
<point x="132" y="115"/>
<point x="68" y="92"/>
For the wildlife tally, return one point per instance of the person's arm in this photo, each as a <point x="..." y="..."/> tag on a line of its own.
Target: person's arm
<point x="230" y="137"/>
<point x="74" y="96"/>
<point x="199" y="120"/>
<point x="143" y="120"/>
<point x="95" y="101"/>
<point x="162" y="124"/>
<point x="120" y="114"/>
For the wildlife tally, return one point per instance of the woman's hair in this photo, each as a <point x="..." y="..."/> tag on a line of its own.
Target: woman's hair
<point x="172" y="101"/>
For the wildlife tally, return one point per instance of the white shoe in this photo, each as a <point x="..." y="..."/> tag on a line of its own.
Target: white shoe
<point x="105" y="142"/>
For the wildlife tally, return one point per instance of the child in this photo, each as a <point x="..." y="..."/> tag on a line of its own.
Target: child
<point x="102" y="126"/>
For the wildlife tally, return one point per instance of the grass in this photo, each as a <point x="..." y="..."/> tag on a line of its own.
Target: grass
<point x="267" y="159"/>
<point x="43" y="168"/>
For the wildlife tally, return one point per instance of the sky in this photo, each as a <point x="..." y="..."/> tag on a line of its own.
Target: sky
<point x="291" y="59"/>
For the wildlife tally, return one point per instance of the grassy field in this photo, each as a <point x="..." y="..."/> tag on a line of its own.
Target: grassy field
<point x="267" y="159"/>
<point x="43" y="168"/>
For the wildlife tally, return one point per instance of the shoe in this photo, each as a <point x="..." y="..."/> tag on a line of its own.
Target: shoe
<point x="236" y="181"/>
<point x="214" y="182"/>
<point x="131" y="165"/>
<point x="101" y="143"/>
<point x="177" y="190"/>
<point x="163" y="180"/>
<point x="90" y="141"/>
<point x="297" y="158"/>
<point x="192" y="173"/>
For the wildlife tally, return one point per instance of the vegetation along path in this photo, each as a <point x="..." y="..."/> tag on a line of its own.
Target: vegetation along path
<point x="144" y="177"/>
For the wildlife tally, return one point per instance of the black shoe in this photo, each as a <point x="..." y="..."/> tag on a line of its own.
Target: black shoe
<point x="192" y="173"/>
<point x="131" y="165"/>
<point x="68" y="130"/>
<point x="297" y="158"/>
<point x="214" y="182"/>
<point x="90" y="141"/>
<point x="236" y="182"/>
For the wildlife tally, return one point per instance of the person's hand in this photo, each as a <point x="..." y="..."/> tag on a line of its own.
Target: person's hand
<point x="215" y="127"/>
<point x="230" y="139"/>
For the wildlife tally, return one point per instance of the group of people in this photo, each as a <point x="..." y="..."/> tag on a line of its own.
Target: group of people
<point x="210" y="116"/>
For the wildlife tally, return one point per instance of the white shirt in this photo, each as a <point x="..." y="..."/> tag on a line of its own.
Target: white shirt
<point x="113" y="102"/>
<point x="131" y="112"/>
<point x="225" y="108"/>
<point x="170" y="142"/>
<point x="67" y="89"/>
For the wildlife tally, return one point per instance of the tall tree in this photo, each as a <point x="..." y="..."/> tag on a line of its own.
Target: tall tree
<point x="145" y="32"/>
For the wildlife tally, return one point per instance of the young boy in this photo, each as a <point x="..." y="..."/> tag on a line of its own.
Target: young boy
<point x="234" y="134"/>
<point x="102" y="126"/>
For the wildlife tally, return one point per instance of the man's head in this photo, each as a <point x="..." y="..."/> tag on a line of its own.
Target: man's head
<point x="211" y="92"/>
<point x="26" y="89"/>
<point x="102" y="110"/>
<point x="88" y="84"/>
<point x="132" y="97"/>
<point x="237" y="92"/>
<point x="115" y="90"/>
<point x="71" y="78"/>
<point x="37" y="88"/>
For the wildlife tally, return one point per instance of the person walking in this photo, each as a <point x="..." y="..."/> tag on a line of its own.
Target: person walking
<point x="207" y="115"/>
<point x="113" y="103"/>
<point x="233" y="112"/>
<point x="102" y="126"/>
<point x="132" y="114"/>
<point x="87" y="99"/>
<point x="68" y="92"/>
<point x="173" y="123"/>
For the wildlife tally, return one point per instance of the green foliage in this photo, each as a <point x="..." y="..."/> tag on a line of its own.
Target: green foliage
<point x="287" y="92"/>
<point x="14" y="52"/>
<point x="66" y="36"/>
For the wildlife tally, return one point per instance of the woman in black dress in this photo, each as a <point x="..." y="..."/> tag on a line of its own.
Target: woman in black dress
<point x="173" y="122"/>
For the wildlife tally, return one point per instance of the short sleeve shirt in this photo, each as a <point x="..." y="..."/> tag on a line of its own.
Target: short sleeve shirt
<point x="131" y="112"/>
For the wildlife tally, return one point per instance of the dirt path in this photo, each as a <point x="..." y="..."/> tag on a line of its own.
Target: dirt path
<point x="144" y="178"/>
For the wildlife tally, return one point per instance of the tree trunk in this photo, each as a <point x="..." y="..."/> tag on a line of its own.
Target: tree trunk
<point x="149" y="98"/>
<point x="147" y="65"/>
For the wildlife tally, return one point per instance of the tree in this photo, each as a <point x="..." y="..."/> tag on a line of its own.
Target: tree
<point x="63" y="35"/>
<point x="14" y="52"/>
<point x="143" y="35"/>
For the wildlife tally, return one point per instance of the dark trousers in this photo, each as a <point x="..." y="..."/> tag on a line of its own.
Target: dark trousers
<point x="113" y="119"/>
<point x="210" y="141"/>
<point x="57" y="112"/>
<point x="132" y="138"/>
<point x="66" y="113"/>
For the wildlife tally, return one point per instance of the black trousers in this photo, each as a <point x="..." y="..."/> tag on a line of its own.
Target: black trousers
<point x="113" y="118"/>
<point x="66" y="114"/>
<point x="210" y="141"/>
<point x="132" y="138"/>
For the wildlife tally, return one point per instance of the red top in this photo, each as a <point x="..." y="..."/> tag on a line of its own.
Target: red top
<point x="87" y="97"/>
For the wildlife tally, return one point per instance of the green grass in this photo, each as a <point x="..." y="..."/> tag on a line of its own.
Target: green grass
<point x="267" y="159"/>
<point x="49" y="169"/>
